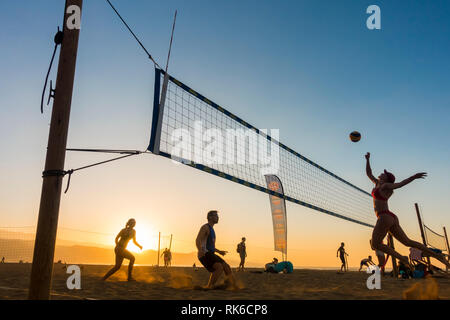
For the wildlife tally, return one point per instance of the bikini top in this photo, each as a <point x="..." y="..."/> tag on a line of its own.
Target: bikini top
<point x="376" y="194"/>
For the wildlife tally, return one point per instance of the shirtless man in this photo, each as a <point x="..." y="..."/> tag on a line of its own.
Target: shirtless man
<point x="341" y="252"/>
<point x="206" y="245"/>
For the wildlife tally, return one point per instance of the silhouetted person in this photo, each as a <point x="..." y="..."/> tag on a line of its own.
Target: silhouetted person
<point x="388" y="221"/>
<point x="270" y="267"/>
<point x="206" y="245"/>
<point x="366" y="262"/>
<point x="122" y="239"/>
<point x="167" y="257"/>
<point x="241" y="249"/>
<point x="3" y="260"/>
<point x="342" y="254"/>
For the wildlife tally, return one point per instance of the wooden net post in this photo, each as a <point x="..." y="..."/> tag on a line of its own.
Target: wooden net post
<point x="446" y="243"/>
<point x="159" y="243"/>
<point x="44" y="247"/>
<point x="422" y="232"/>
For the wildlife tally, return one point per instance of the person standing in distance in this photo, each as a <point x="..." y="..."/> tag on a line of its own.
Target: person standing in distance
<point x="241" y="249"/>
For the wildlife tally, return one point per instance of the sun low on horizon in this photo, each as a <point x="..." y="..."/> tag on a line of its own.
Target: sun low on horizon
<point x="146" y="236"/>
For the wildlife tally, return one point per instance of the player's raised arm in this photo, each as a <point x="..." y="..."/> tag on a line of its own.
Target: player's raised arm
<point x="420" y="175"/>
<point x="369" y="169"/>
<point x="134" y="240"/>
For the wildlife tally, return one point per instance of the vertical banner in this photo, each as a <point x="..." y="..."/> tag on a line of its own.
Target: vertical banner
<point x="279" y="219"/>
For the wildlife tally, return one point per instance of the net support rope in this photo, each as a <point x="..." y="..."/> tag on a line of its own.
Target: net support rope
<point x="128" y="153"/>
<point x="134" y="35"/>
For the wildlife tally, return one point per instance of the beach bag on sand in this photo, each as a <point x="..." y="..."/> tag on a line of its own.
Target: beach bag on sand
<point x="284" y="265"/>
<point x="420" y="271"/>
<point x="417" y="274"/>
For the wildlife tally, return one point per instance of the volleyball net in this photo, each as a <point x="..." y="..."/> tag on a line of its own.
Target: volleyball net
<point x="191" y="129"/>
<point x="434" y="239"/>
<point x="17" y="243"/>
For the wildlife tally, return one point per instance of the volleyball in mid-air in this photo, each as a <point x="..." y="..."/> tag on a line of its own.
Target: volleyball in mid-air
<point x="355" y="136"/>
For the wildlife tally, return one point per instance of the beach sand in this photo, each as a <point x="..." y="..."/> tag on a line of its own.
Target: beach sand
<point x="183" y="283"/>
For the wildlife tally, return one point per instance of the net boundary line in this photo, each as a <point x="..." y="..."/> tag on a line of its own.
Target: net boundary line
<point x="155" y="120"/>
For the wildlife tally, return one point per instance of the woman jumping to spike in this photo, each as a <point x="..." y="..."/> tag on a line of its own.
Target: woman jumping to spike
<point x="387" y="221"/>
<point x="122" y="239"/>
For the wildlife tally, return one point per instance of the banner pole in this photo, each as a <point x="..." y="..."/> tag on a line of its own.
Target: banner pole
<point x="159" y="242"/>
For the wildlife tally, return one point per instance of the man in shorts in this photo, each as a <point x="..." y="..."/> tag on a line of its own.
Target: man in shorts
<point x="342" y="255"/>
<point x="206" y="245"/>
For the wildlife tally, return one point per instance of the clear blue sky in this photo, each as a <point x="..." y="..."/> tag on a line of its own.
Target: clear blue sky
<point x="310" y="68"/>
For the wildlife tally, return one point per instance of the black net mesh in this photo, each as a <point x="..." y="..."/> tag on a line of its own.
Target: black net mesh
<point x="434" y="239"/>
<point x="199" y="133"/>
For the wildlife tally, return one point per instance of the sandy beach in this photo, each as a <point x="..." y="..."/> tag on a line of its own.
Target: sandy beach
<point x="184" y="283"/>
